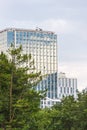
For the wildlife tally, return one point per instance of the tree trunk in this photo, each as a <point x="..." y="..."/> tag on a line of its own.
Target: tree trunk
<point x="11" y="98"/>
<point x="3" y="126"/>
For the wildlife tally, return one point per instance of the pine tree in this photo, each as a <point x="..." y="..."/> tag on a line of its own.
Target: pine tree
<point x="18" y="96"/>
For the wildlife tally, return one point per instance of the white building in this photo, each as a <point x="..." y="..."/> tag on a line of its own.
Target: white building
<point x="42" y="45"/>
<point x="66" y="86"/>
<point x="48" y="102"/>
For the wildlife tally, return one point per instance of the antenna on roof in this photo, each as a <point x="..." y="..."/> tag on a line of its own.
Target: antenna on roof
<point x="38" y="29"/>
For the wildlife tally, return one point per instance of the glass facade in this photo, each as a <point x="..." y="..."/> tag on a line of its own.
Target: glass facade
<point x="10" y="38"/>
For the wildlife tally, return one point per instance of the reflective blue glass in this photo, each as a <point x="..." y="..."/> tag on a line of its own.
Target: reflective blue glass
<point x="10" y="37"/>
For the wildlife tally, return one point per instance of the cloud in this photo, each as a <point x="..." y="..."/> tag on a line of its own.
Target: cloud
<point x="55" y="25"/>
<point x="60" y="26"/>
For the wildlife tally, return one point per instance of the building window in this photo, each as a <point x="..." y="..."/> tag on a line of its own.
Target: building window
<point x="71" y="90"/>
<point x="62" y="82"/>
<point x="67" y="89"/>
<point x="60" y="89"/>
<point x="64" y="90"/>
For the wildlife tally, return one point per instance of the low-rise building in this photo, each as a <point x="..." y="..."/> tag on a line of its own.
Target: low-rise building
<point x="48" y="102"/>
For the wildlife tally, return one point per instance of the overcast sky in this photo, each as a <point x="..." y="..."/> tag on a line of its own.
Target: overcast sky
<point x="67" y="18"/>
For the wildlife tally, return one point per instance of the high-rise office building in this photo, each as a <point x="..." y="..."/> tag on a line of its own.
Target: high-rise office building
<point x="66" y="86"/>
<point x="42" y="45"/>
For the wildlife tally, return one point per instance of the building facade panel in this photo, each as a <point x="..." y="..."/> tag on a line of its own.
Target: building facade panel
<point x="66" y="86"/>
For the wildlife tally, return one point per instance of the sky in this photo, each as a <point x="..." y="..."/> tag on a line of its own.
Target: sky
<point x="67" y="18"/>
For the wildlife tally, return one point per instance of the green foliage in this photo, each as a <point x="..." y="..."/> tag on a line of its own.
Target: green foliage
<point x="19" y="100"/>
<point x="69" y="114"/>
<point x="18" y="97"/>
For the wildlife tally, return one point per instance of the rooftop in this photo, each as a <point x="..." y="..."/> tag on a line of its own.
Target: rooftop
<point x="27" y="30"/>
